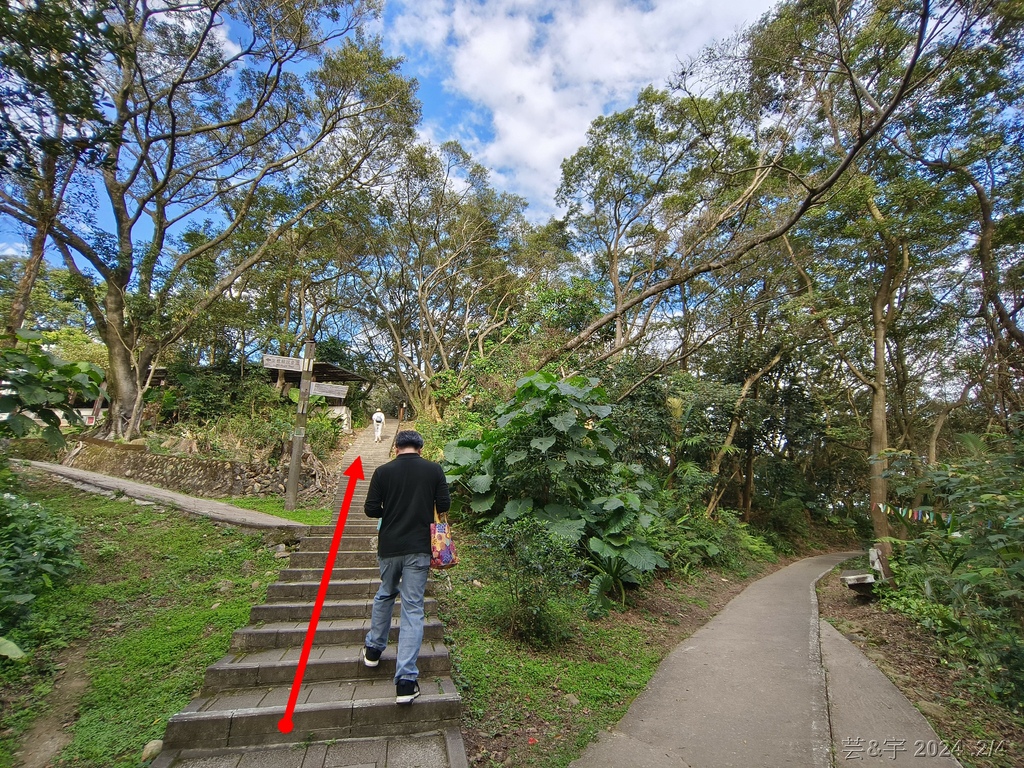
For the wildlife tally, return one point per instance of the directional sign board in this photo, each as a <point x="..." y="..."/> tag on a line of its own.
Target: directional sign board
<point x="328" y="390"/>
<point x="288" y="363"/>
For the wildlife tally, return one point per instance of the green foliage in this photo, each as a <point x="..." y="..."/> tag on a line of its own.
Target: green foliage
<point x="42" y="387"/>
<point x="642" y="417"/>
<point x="201" y="394"/>
<point x="322" y="433"/>
<point x="157" y="603"/>
<point x="694" y="540"/>
<point x="50" y="60"/>
<point x="37" y="550"/>
<point x="10" y="650"/>
<point x="537" y="566"/>
<point x="8" y="480"/>
<point x="243" y="417"/>
<point x="963" y="575"/>
<point x="552" y="459"/>
<point x="789" y="518"/>
<point x="459" y="421"/>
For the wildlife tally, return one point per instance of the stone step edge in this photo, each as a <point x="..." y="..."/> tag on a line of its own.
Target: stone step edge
<point x="259" y="725"/>
<point x="429" y="649"/>
<point x="371" y="676"/>
<point x="454" y="744"/>
<point x="268" y="635"/>
<point x="305" y="607"/>
<point x="350" y="623"/>
<point x="237" y="670"/>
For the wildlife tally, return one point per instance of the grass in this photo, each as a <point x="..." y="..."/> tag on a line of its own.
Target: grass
<point x="544" y="705"/>
<point x="275" y="506"/>
<point x="156" y="602"/>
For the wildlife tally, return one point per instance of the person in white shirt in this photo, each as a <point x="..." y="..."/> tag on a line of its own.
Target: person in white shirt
<point x="378" y="424"/>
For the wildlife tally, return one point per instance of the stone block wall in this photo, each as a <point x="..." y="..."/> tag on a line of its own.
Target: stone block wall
<point x="208" y="478"/>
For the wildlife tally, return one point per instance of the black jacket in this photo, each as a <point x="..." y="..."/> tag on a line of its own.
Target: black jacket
<point x="403" y="493"/>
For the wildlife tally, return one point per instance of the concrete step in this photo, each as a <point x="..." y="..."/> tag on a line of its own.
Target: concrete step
<point x="328" y="530"/>
<point x="277" y="666"/>
<point x="326" y="711"/>
<point x="282" y="591"/>
<point x="346" y="556"/>
<point x="290" y="591"/>
<point x="359" y="541"/>
<point x="338" y="574"/>
<point x="438" y="749"/>
<point x="302" y="610"/>
<point x="286" y="634"/>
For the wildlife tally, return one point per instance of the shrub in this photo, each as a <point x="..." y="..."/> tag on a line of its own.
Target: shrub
<point x="552" y="458"/>
<point x="536" y="566"/>
<point x="962" y="573"/>
<point x="693" y="540"/>
<point x="37" y="549"/>
<point x="36" y="384"/>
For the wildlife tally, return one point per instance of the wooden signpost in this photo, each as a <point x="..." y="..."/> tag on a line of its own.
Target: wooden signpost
<point x="328" y="390"/>
<point x="307" y="387"/>
<point x="303" y="364"/>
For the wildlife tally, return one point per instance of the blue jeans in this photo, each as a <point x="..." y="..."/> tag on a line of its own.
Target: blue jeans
<point x="404" y="575"/>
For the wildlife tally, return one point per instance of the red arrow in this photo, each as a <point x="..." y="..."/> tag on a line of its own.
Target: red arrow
<point x="355" y="474"/>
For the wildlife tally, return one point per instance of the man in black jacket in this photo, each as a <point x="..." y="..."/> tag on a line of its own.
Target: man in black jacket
<point x="403" y="494"/>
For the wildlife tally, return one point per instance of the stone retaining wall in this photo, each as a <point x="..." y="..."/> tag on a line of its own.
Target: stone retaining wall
<point x="208" y="478"/>
<point x="33" y="449"/>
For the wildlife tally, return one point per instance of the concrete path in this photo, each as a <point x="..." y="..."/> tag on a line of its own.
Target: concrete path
<point x="215" y="510"/>
<point x="749" y="690"/>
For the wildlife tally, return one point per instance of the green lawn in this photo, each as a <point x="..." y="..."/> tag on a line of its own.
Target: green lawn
<point x="275" y="506"/>
<point x="155" y="604"/>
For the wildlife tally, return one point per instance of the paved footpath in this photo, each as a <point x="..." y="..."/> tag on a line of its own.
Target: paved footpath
<point x="766" y="684"/>
<point x="215" y="510"/>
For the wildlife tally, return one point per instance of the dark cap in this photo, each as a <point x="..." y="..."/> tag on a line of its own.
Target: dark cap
<point x="409" y="438"/>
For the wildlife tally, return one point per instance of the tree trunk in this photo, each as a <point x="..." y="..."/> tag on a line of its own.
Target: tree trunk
<point x="716" y="463"/>
<point x="19" y="305"/>
<point x="43" y="197"/>
<point x="748" y="486"/>
<point x="877" y="485"/>
<point x="123" y="385"/>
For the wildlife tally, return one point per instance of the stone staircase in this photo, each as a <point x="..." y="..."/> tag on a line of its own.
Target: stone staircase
<point x="344" y="708"/>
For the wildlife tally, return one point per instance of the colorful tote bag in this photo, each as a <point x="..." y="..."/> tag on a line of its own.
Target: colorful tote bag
<point x="442" y="549"/>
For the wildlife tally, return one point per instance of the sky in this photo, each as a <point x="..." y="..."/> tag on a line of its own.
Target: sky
<point x="518" y="82"/>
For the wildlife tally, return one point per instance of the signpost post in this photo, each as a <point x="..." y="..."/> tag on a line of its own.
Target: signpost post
<point x="305" y="366"/>
<point x="299" y="435"/>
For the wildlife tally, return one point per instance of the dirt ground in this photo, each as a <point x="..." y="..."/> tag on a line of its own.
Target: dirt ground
<point x="49" y="733"/>
<point x="980" y="733"/>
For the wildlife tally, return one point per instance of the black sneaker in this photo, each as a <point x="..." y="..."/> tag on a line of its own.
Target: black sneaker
<point x="406" y="691"/>
<point x="371" y="656"/>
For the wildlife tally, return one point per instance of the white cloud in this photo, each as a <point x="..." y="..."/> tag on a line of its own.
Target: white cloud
<point x="537" y="72"/>
<point x="16" y="250"/>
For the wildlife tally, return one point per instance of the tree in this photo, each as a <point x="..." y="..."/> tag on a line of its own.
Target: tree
<point x="741" y="127"/>
<point x="234" y="121"/>
<point x="50" y="55"/>
<point x="444" y="274"/>
<point x="969" y="140"/>
<point x="51" y="119"/>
